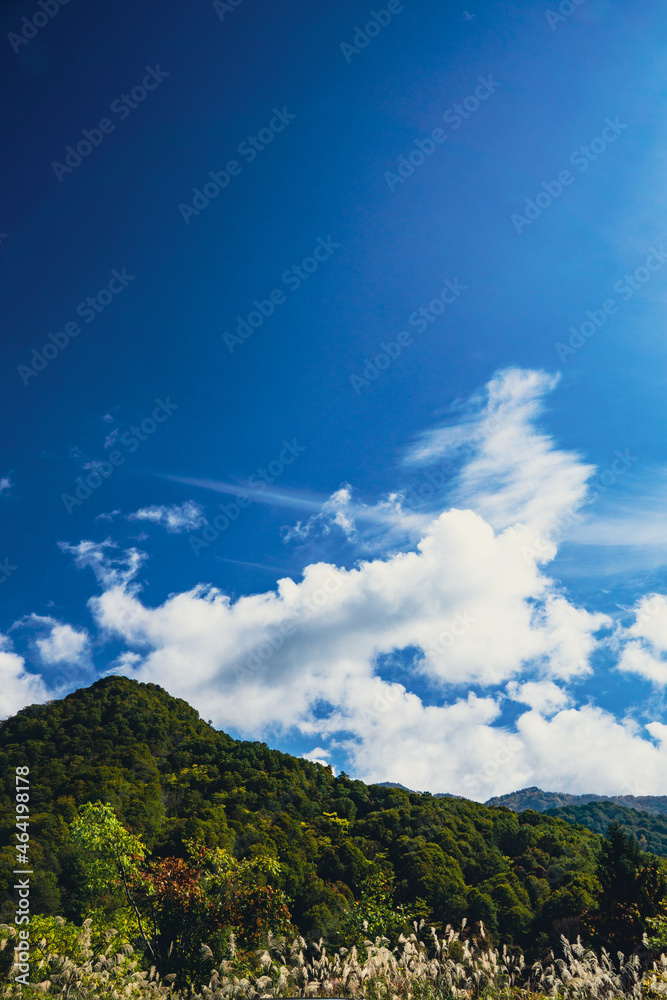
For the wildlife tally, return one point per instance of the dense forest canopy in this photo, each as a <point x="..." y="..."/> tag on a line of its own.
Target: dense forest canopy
<point x="650" y="830"/>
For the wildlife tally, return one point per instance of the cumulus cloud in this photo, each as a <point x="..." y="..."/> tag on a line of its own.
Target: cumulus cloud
<point x="318" y="756"/>
<point x="64" y="644"/>
<point x="5" y="483"/>
<point x="456" y="748"/>
<point x="590" y="747"/>
<point x="644" y="643"/>
<point x="465" y="603"/>
<point x="18" y="687"/>
<point x="176" y="518"/>
<point x="543" y="696"/>
<point x="55" y="643"/>
<point x="474" y="609"/>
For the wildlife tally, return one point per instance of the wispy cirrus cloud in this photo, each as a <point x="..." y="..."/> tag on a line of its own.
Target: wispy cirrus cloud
<point x="175" y="518"/>
<point x="111" y="567"/>
<point x="515" y="474"/>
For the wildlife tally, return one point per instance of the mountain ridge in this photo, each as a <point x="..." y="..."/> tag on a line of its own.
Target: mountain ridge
<point x="541" y="801"/>
<point x="172" y="778"/>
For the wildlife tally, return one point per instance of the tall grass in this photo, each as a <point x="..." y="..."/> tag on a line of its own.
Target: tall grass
<point x="434" y="968"/>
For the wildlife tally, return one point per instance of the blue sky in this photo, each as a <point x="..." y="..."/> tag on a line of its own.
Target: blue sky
<point x="395" y="277"/>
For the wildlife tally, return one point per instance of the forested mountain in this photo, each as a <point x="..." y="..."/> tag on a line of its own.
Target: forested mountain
<point x="170" y="776"/>
<point x="650" y="831"/>
<point x="535" y="798"/>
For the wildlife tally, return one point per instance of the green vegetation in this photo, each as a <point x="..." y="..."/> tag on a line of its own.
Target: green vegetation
<point x="172" y="839"/>
<point x="650" y="831"/>
<point x="632" y="890"/>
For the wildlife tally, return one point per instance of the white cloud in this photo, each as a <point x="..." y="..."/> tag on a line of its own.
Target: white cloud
<point x="457" y="749"/>
<point x="111" y="569"/>
<point x="318" y="756"/>
<point x="64" y="645"/>
<point x="587" y="749"/>
<point x="5" y="483"/>
<point x="503" y="468"/>
<point x="644" y="643"/>
<point x="465" y="602"/>
<point x="370" y="526"/>
<point x="516" y="474"/>
<point x="109" y="516"/>
<point x="18" y="688"/>
<point x="542" y="696"/>
<point x="176" y="518"/>
<point x="480" y="612"/>
<point x="336" y="510"/>
<point x="54" y="641"/>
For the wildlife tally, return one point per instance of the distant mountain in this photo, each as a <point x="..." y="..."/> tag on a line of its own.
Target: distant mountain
<point x="535" y="798"/>
<point x="650" y="830"/>
<point x="396" y="784"/>
<point x="404" y="788"/>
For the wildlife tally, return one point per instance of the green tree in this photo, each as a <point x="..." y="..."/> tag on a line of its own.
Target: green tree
<point x="114" y="861"/>
<point x="632" y="891"/>
<point x="178" y="905"/>
<point x="373" y="914"/>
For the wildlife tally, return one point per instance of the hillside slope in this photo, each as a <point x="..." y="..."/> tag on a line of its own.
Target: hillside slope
<point x="171" y="776"/>
<point x="650" y="831"/>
